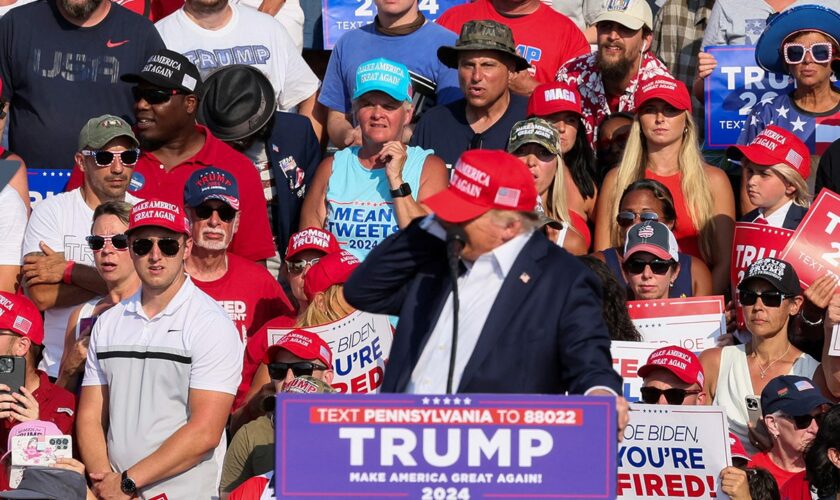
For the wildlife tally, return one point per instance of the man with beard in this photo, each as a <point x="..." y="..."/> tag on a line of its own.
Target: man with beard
<point x="217" y="33"/>
<point x="60" y="62"/>
<point x="246" y="291"/>
<point x="608" y="78"/>
<point x="486" y="59"/>
<point x="58" y="269"/>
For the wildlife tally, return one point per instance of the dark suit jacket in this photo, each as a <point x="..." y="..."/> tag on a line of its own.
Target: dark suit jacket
<point x="792" y="219"/>
<point x="545" y="333"/>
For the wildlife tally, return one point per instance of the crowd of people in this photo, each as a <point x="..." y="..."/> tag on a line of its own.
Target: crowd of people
<point x="497" y="184"/>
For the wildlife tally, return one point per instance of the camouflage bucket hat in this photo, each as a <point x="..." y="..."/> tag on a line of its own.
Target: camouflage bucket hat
<point x="483" y="35"/>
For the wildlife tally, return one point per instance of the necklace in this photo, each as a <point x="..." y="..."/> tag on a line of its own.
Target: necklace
<point x="763" y="371"/>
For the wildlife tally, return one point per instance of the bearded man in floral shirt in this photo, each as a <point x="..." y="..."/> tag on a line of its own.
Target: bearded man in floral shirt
<point x="608" y="78"/>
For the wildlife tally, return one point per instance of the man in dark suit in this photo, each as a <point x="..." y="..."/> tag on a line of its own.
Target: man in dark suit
<point x="530" y="313"/>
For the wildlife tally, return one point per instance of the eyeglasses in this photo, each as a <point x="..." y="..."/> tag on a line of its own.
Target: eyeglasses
<point x="657" y="266"/>
<point x="795" y="52"/>
<point x="771" y="298"/>
<point x="106" y="158"/>
<point x="97" y="243"/>
<point x="297" y="267"/>
<point x="153" y="96"/>
<point x="226" y="213"/>
<point x="674" y="396"/>
<point x="168" y="246"/>
<point x="278" y="371"/>
<point x="802" y="422"/>
<point x="628" y="218"/>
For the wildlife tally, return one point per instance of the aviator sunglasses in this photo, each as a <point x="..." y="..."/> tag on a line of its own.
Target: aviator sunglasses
<point x="628" y="218"/>
<point x="226" y="213"/>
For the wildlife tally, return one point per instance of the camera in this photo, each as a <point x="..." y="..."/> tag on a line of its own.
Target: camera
<point x="7" y="364"/>
<point x="752" y="404"/>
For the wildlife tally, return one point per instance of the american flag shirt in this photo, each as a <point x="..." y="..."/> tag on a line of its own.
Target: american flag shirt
<point x="816" y="130"/>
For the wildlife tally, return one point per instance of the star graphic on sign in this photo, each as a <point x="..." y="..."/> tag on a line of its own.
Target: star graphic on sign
<point x="467" y="401"/>
<point x="767" y="99"/>
<point x="446" y="401"/>
<point x="425" y="401"/>
<point x="753" y="120"/>
<point x="798" y="125"/>
<point x="783" y="111"/>
<point x="436" y="401"/>
<point x="457" y="400"/>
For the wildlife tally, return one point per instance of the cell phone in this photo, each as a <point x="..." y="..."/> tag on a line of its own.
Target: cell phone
<point x="12" y="372"/>
<point x="753" y="409"/>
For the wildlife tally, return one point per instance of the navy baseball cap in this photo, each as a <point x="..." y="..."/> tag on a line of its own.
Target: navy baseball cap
<point x="793" y="395"/>
<point x="211" y="183"/>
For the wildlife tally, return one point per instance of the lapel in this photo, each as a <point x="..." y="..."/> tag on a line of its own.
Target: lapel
<point x="794" y="216"/>
<point x="513" y="293"/>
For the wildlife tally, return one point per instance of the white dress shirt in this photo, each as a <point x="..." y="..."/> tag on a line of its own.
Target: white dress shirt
<point x="777" y="218"/>
<point x="477" y="289"/>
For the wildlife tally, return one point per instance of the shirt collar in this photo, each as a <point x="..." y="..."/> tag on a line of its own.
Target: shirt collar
<point x="204" y="156"/>
<point x="506" y="254"/>
<point x="134" y="303"/>
<point x="777" y="218"/>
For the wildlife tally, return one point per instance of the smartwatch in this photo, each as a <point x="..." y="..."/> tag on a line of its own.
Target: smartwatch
<point x="127" y="484"/>
<point x="402" y="191"/>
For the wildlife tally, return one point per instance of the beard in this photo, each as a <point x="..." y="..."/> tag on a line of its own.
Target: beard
<point x="203" y="242"/>
<point x="207" y="6"/>
<point x="80" y="10"/>
<point x="614" y="69"/>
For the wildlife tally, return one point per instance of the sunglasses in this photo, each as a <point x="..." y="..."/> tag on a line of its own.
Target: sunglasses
<point x="278" y="371"/>
<point x="802" y="422"/>
<point x="106" y="158"/>
<point x="298" y="266"/>
<point x="153" y="96"/>
<point x="637" y="266"/>
<point x="628" y="218"/>
<point x="97" y="243"/>
<point x="168" y="246"/>
<point x="795" y="52"/>
<point x="674" y="396"/>
<point x="768" y="298"/>
<point x="226" y="213"/>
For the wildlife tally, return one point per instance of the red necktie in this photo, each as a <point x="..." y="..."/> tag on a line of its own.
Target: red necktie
<point x="761" y="220"/>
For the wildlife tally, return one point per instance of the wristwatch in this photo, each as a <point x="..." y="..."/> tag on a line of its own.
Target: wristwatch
<point x="402" y="191"/>
<point x="127" y="484"/>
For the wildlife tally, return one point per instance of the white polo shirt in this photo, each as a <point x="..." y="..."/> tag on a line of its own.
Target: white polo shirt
<point x="149" y="366"/>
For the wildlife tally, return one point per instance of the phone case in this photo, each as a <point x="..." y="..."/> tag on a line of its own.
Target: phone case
<point x="12" y="372"/>
<point x="40" y="450"/>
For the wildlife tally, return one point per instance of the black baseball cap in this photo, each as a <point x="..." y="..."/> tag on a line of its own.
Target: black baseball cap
<point x="793" y="395"/>
<point x="777" y="272"/>
<point x="168" y="69"/>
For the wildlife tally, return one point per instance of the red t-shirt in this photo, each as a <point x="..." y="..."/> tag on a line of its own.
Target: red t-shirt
<point x="762" y="459"/>
<point x="251" y="489"/>
<point x="249" y="294"/>
<point x="796" y="488"/>
<point x="686" y="234"/>
<point x="253" y="240"/>
<point x="254" y="353"/>
<point x="56" y="405"/>
<point x="545" y="38"/>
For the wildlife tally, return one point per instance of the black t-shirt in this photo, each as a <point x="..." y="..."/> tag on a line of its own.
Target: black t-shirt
<point x="56" y="76"/>
<point x="445" y="130"/>
<point x="828" y="172"/>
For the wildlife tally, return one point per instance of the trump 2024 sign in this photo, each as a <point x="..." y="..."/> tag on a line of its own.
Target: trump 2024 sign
<point x="436" y="447"/>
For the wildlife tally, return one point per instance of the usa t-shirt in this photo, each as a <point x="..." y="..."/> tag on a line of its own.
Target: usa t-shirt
<point x="816" y="130"/>
<point x="56" y="76"/>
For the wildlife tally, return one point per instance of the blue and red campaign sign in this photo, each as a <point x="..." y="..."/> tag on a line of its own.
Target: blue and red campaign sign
<point x="46" y="182"/>
<point x="456" y="446"/>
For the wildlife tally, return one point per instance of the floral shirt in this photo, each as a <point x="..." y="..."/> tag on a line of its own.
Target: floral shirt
<point x="583" y="72"/>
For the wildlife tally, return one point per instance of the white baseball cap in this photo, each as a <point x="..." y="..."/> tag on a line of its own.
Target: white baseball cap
<point x="632" y="14"/>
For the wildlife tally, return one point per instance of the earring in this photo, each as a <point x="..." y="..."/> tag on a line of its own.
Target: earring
<point x="672" y="284"/>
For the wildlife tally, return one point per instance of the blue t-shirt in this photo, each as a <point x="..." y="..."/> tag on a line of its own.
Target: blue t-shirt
<point x="816" y="130"/>
<point x="444" y="129"/>
<point x="360" y="210"/>
<point x="418" y="51"/>
<point x="56" y="76"/>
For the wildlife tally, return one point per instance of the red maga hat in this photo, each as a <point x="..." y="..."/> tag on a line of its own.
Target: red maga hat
<point x="312" y="238"/>
<point x="19" y="315"/>
<point x="333" y="269"/>
<point x="672" y="91"/>
<point x="677" y="360"/>
<point x="483" y="180"/>
<point x="775" y="145"/>
<point x="303" y="344"/>
<point x="554" y="97"/>
<point x="160" y="214"/>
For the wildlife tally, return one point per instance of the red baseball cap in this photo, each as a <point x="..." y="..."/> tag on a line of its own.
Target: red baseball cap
<point x="483" y="180"/>
<point x="677" y="360"/>
<point x="672" y="91"/>
<point x="312" y="238"/>
<point x="775" y="145"/>
<point x="554" y="97"/>
<point x="160" y="214"/>
<point x="736" y="448"/>
<point x="333" y="269"/>
<point x="19" y="314"/>
<point x="303" y="344"/>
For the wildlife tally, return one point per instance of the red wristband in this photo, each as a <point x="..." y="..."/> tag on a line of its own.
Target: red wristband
<point x="68" y="273"/>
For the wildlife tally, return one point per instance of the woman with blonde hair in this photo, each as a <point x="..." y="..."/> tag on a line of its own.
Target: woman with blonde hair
<point x="776" y="165"/>
<point x="537" y="144"/>
<point x="663" y="146"/>
<point x="323" y="285"/>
